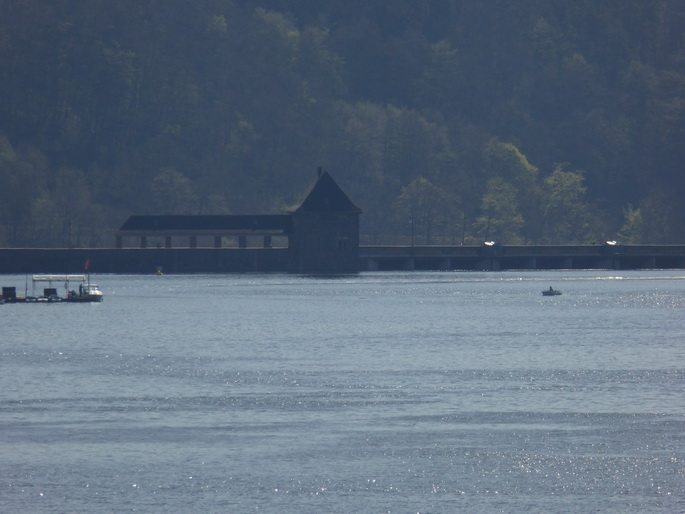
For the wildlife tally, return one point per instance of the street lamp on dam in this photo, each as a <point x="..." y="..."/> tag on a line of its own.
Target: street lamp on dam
<point x="411" y="232"/>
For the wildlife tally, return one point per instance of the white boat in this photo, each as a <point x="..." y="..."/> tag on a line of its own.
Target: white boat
<point x="87" y="292"/>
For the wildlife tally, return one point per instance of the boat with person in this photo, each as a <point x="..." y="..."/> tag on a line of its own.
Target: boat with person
<point x="86" y="293"/>
<point x="551" y="292"/>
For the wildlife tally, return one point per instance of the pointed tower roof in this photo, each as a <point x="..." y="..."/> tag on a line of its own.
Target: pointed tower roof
<point x="324" y="195"/>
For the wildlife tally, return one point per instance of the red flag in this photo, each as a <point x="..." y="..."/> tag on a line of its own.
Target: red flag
<point x="87" y="265"/>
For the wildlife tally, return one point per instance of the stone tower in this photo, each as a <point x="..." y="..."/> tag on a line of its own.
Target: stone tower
<point x="325" y="230"/>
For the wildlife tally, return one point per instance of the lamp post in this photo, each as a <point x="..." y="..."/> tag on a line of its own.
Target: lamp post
<point x="411" y="229"/>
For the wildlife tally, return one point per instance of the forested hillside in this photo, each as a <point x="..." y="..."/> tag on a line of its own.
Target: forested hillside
<point x="521" y="121"/>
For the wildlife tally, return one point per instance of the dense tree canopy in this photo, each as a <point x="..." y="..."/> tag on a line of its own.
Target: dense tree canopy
<point x="534" y="121"/>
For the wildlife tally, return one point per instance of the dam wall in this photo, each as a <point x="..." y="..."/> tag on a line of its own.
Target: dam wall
<point x="143" y="260"/>
<point x="525" y="257"/>
<point x="371" y="258"/>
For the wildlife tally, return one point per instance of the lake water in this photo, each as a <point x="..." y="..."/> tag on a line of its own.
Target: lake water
<point x="379" y="392"/>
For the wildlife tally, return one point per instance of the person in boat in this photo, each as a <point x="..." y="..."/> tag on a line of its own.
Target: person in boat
<point x="550" y="289"/>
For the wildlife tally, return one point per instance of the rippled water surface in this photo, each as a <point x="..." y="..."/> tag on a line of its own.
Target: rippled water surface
<point x="379" y="392"/>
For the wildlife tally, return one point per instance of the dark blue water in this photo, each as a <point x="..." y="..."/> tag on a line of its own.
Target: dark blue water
<point x="382" y="392"/>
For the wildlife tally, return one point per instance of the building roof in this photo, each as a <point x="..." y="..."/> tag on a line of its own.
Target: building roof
<point x="208" y="223"/>
<point x="324" y="195"/>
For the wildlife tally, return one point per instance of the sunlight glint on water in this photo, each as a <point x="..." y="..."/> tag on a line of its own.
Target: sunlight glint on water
<point x="380" y="392"/>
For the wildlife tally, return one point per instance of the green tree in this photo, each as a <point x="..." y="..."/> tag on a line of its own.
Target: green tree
<point x="23" y="175"/>
<point x="506" y="161"/>
<point x="633" y="230"/>
<point x="173" y="193"/>
<point x="443" y="82"/>
<point x="656" y="220"/>
<point x="500" y="219"/>
<point x="427" y="209"/>
<point x="64" y="214"/>
<point x="566" y="215"/>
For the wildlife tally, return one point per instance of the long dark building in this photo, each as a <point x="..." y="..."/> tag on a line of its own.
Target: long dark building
<point x="319" y="234"/>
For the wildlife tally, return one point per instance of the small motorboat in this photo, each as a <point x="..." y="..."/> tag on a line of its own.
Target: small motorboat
<point x="551" y="292"/>
<point x="86" y="293"/>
